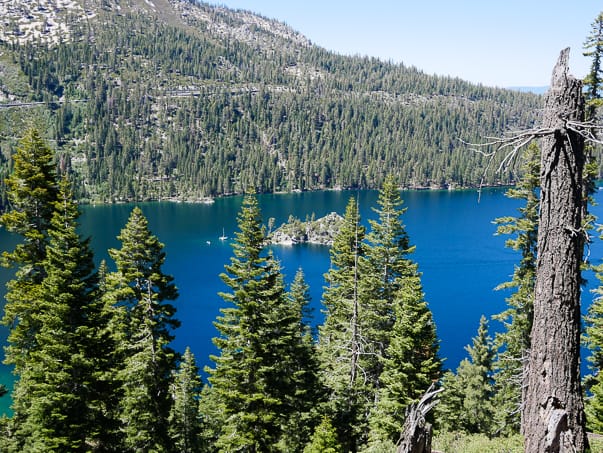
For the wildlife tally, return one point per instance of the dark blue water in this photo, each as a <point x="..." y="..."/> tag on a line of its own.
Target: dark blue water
<point x="461" y="259"/>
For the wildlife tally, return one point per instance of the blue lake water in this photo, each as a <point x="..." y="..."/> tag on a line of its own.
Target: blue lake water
<point x="461" y="259"/>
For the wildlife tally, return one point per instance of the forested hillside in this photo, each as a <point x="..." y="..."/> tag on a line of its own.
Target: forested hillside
<point x="148" y="100"/>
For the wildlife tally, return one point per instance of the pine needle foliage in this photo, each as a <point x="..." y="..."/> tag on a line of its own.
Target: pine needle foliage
<point x="32" y="190"/>
<point x="141" y="292"/>
<point x="258" y="384"/>
<point x="56" y="397"/>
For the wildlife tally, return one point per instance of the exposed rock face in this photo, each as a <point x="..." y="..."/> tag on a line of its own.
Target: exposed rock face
<point x="42" y="20"/>
<point x="52" y="21"/>
<point x="320" y="231"/>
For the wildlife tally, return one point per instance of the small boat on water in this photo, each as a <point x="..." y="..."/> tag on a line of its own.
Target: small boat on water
<point x="223" y="237"/>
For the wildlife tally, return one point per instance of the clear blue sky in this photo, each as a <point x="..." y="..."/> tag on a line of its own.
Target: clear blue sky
<point x="493" y="42"/>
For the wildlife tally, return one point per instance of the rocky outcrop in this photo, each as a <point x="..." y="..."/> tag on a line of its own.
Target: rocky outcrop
<point x="314" y="231"/>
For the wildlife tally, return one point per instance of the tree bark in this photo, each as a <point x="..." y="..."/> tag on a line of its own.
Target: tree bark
<point x="554" y="413"/>
<point x="416" y="432"/>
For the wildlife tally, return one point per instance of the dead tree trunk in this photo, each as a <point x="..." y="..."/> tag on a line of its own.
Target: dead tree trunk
<point x="554" y="418"/>
<point x="416" y="432"/>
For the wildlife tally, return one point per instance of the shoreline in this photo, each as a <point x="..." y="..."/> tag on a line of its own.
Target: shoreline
<point x="211" y="200"/>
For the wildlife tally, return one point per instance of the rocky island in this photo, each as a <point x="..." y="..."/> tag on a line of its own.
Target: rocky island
<point x="313" y="231"/>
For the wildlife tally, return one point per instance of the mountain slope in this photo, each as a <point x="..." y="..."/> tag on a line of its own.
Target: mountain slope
<point x="149" y="99"/>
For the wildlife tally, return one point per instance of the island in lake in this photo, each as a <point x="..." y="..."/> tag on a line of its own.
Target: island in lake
<point x="313" y="231"/>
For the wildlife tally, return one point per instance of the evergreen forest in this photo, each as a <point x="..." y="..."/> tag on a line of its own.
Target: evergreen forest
<point x="192" y="101"/>
<point x="226" y="104"/>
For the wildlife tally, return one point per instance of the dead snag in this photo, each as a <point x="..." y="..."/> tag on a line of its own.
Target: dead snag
<point x="416" y="432"/>
<point x="554" y="418"/>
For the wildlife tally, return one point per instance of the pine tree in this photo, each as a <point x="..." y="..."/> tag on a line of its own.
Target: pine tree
<point x="402" y="332"/>
<point x="593" y="340"/>
<point x="56" y="398"/>
<point x="466" y="403"/>
<point x="145" y="320"/>
<point x="514" y="342"/>
<point x="388" y="244"/>
<point x="324" y="439"/>
<point x="257" y="373"/>
<point x="593" y="332"/>
<point x="593" y="82"/>
<point x="185" y="424"/>
<point x="411" y="363"/>
<point x="383" y="269"/>
<point x="307" y="392"/>
<point x="109" y="361"/>
<point x="32" y="190"/>
<point x="341" y="346"/>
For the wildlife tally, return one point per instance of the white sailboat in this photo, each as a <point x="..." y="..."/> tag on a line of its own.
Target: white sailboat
<point x="223" y="237"/>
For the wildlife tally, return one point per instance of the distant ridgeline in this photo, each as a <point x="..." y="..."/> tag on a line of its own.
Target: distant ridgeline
<point x="320" y="231"/>
<point x="183" y="101"/>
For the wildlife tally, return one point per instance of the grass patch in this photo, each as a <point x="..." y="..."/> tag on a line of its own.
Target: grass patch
<point x="476" y="443"/>
<point x="596" y="444"/>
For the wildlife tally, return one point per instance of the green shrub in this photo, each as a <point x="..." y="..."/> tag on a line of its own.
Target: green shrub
<point x="476" y="443"/>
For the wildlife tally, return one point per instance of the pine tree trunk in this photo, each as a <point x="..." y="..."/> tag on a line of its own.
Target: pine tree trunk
<point x="554" y="414"/>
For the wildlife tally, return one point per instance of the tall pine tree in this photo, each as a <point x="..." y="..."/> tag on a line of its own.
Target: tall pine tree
<point x="401" y="329"/>
<point x="140" y="292"/>
<point x="593" y="332"/>
<point x="257" y="381"/>
<point x="185" y="423"/>
<point x="467" y="401"/>
<point x="384" y="268"/>
<point x="32" y="190"/>
<point x="343" y="346"/>
<point x="57" y="398"/>
<point x="307" y="392"/>
<point x="411" y="363"/>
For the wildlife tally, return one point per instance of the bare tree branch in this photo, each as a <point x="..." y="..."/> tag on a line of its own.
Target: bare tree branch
<point x="517" y="140"/>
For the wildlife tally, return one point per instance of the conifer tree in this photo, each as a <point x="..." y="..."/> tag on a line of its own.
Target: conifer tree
<point x="593" y="340"/>
<point x="466" y="403"/>
<point x="324" y="439"/>
<point x="593" y="332"/>
<point x="513" y="343"/>
<point x="57" y="396"/>
<point x="185" y="425"/>
<point x="383" y="269"/>
<point x="342" y="342"/>
<point x="140" y="289"/>
<point x="403" y="359"/>
<point x="411" y="363"/>
<point x="307" y="393"/>
<point x="593" y="82"/>
<point x="109" y="361"/>
<point x="299" y="293"/>
<point x="388" y="244"/>
<point x="257" y="376"/>
<point x="32" y="190"/>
